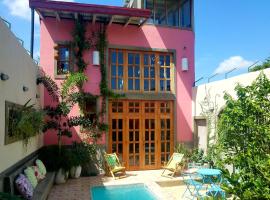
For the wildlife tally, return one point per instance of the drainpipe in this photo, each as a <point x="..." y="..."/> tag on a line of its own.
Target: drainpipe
<point x="32" y="32"/>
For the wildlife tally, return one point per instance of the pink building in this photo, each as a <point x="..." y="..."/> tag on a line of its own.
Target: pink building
<point x="150" y="59"/>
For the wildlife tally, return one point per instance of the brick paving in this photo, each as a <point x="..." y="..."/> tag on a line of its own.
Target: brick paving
<point x="164" y="188"/>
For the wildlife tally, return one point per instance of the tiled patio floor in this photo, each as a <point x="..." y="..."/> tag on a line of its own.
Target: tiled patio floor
<point x="79" y="189"/>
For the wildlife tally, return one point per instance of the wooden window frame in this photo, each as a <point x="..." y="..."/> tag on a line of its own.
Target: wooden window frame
<point x="59" y="45"/>
<point x="156" y="66"/>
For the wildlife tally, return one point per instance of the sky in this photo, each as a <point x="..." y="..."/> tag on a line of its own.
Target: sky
<point x="228" y="34"/>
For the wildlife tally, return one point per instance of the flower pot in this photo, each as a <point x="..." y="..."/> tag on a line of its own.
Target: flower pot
<point x="75" y="172"/>
<point x="61" y="176"/>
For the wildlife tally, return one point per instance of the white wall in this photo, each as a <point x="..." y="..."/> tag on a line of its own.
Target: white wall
<point x="217" y="90"/>
<point x="18" y="65"/>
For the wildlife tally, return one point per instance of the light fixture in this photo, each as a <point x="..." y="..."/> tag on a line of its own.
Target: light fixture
<point x="4" y="77"/>
<point x="96" y="58"/>
<point x="184" y="64"/>
<point x="25" y="89"/>
<point x="184" y="60"/>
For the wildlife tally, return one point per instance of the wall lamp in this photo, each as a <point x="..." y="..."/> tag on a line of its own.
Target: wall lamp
<point x="25" y="89"/>
<point x="96" y="58"/>
<point x="4" y="77"/>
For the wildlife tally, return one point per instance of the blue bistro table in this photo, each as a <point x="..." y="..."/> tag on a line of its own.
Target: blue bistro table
<point x="212" y="179"/>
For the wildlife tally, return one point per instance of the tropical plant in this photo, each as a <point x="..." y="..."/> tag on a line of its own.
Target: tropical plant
<point x="244" y="138"/>
<point x="21" y="122"/>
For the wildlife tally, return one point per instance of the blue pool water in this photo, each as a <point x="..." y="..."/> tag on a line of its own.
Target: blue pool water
<point x="124" y="192"/>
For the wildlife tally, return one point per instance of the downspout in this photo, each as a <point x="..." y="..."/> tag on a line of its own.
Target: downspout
<point x="32" y="32"/>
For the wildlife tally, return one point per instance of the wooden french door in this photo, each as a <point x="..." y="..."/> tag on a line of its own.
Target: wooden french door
<point x="141" y="132"/>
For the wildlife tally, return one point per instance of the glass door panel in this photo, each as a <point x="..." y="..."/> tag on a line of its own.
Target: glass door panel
<point x="134" y="142"/>
<point x="117" y="136"/>
<point x="149" y="142"/>
<point x="165" y="136"/>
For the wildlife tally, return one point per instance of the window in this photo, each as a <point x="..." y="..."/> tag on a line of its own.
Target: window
<point x="185" y="11"/>
<point x="140" y="71"/>
<point x="149" y="72"/>
<point x="63" y="59"/>
<point x="117" y="70"/>
<point x="133" y="71"/>
<point x="164" y="73"/>
<point x="91" y="110"/>
<point x="170" y="12"/>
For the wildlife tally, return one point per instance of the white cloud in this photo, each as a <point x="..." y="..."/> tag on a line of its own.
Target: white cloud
<point x="20" y="8"/>
<point x="231" y="63"/>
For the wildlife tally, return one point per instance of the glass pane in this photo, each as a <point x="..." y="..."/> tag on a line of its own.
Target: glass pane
<point x="168" y="135"/>
<point x="146" y="159"/>
<point x="146" y="135"/>
<point x="153" y="87"/>
<point x="130" y="58"/>
<point x="152" y="159"/>
<point x="168" y="73"/>
<point x="146" y="72"/>
<point x="120" y="71"/>
<point x="131" y="148"/>
<point x="161" y="72"/>
<point x="120" y="148"/>
<point x="137" y="84"/>
<point x="130" y="136"/>
<point x="168" y="147"/>
<point x="114" y="124"/>
<point x="137" y="59"/>
<point x="137" y="135"/>
<point x="162" y="135"/>
<point x="149" y="4"/>
<point x="114" y="148"/>
<point x="137" y="71"/>
<point x="131" y="160"/>
<point x="146" y="147"/>
<point x="160" y="12"/>
<point x="130" y="124"/>
<point x="173" y="13"/>
<point x="162" y="123"/>
<point x="137" y="160"/>
<point x="113" y="136"/>
<point x="64" y="53"/>
<point x="163" y="158"/>
<point x="113" y="83"/>
<point x="152" y="58"/>
<point x="186" y="14"/>
<point x="145" y="59"/>
<point x="130" y="84"/>
<point x="120" y="84"/>
<point x="120" y="136"/>
<point x="152" y="135"/>
<point x="120" y="58"/>
<point x="152" y="124"/>
<point x="161" y="85"/>
<point x="130" y="71"/>
<point x="113" y="70"/>
<point x="168" y="124"/>
<point x="152" y="148"/>
<point x="152" y="72"/>
<point x="120" y="124"/>
<point x="137" y="149"/>
<point x="162" y="147"/>
<point x="63" y="68"/>
<point x="136" y="124"/>
<point x="161" y="60"/>
<point x="113" y="57"/>
<point x="146" y="85"/>
<point x="168" y="62"/>
<point x="168" y="85"/>
<point x="146" y="124"/>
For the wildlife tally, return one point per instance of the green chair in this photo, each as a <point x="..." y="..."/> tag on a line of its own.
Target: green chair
<point x="114" y="164"/>
<point x="173" y="163"/>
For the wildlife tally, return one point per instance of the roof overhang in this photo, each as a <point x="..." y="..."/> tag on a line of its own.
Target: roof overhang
<point x="90" y="12"/>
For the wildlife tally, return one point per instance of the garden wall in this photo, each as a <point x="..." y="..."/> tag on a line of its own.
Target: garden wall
<point x="22" y="71"/>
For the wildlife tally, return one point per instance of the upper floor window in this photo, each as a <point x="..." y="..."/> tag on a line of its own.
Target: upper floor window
<point x="63" y="59"/>
<point x="134" y="71"/>
<point x="170" y="12"/>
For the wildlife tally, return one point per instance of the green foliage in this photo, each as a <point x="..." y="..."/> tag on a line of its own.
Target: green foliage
<point x="6" y="196"/>
<point x="79" y="120"/>
<point x="21" y="122"/>
<point x="244" y="138"/>
<point x="264" y="65"/>
<point x="73" y="80"/>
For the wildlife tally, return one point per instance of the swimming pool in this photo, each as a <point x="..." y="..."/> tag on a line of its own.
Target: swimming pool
<point x="123" y="192"/>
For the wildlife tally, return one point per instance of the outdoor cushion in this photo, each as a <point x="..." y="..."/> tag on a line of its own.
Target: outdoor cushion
<point x="112" y="161"/>
<point x="30" y="174"/>
<point x="24" y="187"/>
<point x="38" y="174"/>
<point x="41" y="167"/>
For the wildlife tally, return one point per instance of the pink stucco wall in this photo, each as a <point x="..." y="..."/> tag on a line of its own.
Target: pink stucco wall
<point x="148" y="36"/>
